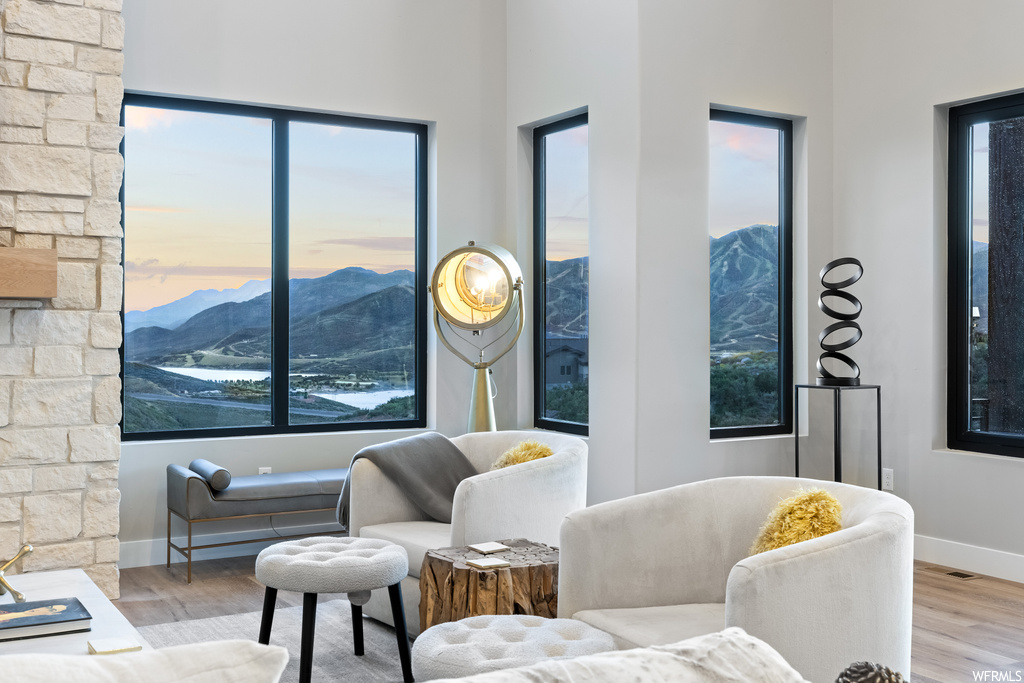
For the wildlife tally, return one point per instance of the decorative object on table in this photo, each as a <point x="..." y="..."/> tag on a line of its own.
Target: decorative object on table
<point x="474" y="288"/>
<point x="488" y="547"/>
<point x="451" y="589"/>
<point x="490" y="643"/>
<point x="5" y="587"/>
<point x="801" y="517"/>
<point x="43" y="618"/>
<point x="866" y="672"/>
<point x="324" y="564"/>
<point x="522" y="452"/>
<point x="847" y="321"/>
<point x="113" y="646"/>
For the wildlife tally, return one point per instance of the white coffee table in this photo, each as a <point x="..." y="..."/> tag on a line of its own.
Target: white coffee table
<point x="107" y="621"/>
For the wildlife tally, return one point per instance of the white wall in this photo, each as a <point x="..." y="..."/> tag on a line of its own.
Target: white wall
<point x="562" y="57"/>
<point x="767" y="57"/>
<point x="441" y="62"/>
<point x="897" y="67"/>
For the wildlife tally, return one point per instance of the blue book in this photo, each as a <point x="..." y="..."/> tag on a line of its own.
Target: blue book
<point x="43" y="618"/>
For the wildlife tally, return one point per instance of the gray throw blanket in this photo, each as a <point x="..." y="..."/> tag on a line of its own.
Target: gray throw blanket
<point x="427" y="467"/>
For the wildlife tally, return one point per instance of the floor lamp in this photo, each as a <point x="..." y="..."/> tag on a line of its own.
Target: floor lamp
<point x="474" y="288"/>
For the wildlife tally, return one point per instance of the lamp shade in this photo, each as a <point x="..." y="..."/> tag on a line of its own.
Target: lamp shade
<point x="474" y="286"/>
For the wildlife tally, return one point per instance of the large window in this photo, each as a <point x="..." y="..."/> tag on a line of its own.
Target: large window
<point x="986" y="276"/>
<point x="562" y="269"/>
<point x="750" y="210"/>
<point x="274" y="277"/>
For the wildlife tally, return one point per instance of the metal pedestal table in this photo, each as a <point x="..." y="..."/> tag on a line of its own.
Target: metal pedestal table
<point x="837" y="447"/>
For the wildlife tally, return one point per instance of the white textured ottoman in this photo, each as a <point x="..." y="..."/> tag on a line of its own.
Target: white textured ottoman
<point x="326" y="564"/>
<point x="489" y="643"/>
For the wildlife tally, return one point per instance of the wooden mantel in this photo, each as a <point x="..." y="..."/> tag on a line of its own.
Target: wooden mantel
<point x="28" y="273"/>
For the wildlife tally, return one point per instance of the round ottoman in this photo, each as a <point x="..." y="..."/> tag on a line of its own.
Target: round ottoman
<point x="489" y="643"/>
<point x="327" y="564"/>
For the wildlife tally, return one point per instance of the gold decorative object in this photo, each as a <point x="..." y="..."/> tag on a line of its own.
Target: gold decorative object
<point x="4" y="586"/>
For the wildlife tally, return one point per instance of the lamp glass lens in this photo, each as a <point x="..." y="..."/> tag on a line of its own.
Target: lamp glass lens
<point x="475" y="289"/>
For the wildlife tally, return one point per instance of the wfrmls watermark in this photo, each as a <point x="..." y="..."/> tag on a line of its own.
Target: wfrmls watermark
<point x="994" y="676"/>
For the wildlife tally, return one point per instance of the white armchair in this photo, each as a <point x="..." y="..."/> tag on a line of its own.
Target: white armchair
<point x="528" y="500"/>
<point x="664" y="566"/>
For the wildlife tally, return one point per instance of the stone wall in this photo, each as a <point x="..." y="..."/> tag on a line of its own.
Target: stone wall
<point x="60" y="173"/>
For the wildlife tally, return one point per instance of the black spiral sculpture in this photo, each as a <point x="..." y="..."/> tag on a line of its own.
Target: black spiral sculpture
<point x="847" y="321"/>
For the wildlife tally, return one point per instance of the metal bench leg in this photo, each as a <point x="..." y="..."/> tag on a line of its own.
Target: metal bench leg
<point x="168" y="538"/>
<point x="190" y="551"/>
<point x="398" y="614"/>
<point x="308" y="626"/>
<point x="267" y="622"/>
<point x="357" y="628"/>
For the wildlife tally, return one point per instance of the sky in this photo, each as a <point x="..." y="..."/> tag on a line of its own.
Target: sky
<point x="567" y="195"/>
<point x="744" y="177"/>
<point x="979" y="183"/>
<point x="205" y="179"/>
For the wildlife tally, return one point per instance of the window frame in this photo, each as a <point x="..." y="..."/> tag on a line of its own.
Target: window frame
<point x="280" y="118"/>
<point x="959" y="435"/>
<point x="540" y="134"/>
<point x="785" y="269"/>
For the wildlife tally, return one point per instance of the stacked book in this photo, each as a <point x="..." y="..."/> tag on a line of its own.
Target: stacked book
<point x="43" y="618"/>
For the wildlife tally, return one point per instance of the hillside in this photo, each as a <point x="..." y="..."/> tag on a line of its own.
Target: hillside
<point x="568" y="300"/>
<point x="744" y="290"/>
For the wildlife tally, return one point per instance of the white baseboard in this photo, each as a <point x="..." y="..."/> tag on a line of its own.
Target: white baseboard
<point x="970" y="558"/>
<point x="150" y="552"/>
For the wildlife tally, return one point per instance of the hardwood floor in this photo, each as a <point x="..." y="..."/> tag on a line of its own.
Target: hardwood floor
<point x="962" y="628"/>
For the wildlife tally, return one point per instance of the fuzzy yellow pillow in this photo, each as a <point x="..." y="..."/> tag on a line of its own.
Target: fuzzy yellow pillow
<point x="808" y="514"/>
<point x="522" y="452"/>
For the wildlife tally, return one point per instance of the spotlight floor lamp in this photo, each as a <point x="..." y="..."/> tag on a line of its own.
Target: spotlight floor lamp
<point x="474" y="288"/>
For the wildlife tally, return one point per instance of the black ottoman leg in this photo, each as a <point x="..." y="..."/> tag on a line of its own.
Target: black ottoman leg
<point x="357" y="628"/>
<point x="269" y="601"/>
<point x="308" y="626"/>
<point x="398" y="614"/>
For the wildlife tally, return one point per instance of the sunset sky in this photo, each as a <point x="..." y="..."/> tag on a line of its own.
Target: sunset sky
<point x="198" y="202"/>
<point x="567" y="193"/>
<point x="979" y="189"/>
<point x="744" y="177"/>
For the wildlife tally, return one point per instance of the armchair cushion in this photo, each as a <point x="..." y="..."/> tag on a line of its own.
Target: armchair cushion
<point x="644" y="626"/>
<point x="523" y="452"/>
<point x="416" y="537"/>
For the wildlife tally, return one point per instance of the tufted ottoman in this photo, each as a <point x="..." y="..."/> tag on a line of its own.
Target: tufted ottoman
<point x="489" y="643"/>
<point x="325" y="564"/>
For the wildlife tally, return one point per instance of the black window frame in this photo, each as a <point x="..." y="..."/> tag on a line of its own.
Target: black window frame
<point x="959" y="435"/>
<point x="785" y="128"/>
<point x="540" y="134"/>
<point x="280" y="118"/>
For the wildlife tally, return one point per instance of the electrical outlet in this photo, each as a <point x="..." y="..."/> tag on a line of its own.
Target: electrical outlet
<point x="886" y="479"/>
<point x="266" y="470"/>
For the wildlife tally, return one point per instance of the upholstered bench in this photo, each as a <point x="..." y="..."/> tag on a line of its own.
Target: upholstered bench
<point x="204" y="492"/>
<point x="490" y="643"/>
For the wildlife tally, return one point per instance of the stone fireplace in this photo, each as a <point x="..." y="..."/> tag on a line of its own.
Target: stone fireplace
<point x="60" y="174"/>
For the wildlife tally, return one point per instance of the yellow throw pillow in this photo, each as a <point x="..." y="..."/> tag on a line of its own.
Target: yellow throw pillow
<point x="808" y="514"/>
<point x="522" y="452"/>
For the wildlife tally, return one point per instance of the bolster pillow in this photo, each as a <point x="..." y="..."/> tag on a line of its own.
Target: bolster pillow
<point x="215" y="475"/>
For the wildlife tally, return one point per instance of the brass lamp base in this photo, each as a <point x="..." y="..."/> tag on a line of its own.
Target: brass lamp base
<point x="481" y="404"/>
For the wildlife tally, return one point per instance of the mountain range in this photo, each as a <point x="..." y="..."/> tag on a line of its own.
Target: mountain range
<point x="174" y="314"/>
<point x="351" y="318"/>
<point x="568" y="298"/>
<point x="744" y="290"/>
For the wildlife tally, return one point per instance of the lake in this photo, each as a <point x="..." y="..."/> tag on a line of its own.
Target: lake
<point x="358" y="399"/>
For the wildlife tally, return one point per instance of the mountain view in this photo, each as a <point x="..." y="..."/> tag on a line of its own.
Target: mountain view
<point x="745" y="327"/>
<point x="351" y="353"/>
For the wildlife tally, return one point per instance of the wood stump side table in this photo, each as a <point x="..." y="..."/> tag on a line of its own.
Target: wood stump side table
<point x="451" y="590"/>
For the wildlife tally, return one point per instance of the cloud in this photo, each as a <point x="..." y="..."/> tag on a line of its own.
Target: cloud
<point x="751" y="142"/>
<point x="403" y="244"/>
<point x="152" y="268"/>
<point x="156" y="209"/>
<point x="144" y="118"/>
<point x="979" y="222"/>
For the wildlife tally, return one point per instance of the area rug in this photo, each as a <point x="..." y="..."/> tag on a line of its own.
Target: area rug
<point x="333" y="658"/>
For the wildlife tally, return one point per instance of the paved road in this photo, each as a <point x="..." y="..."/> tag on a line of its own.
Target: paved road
<point x="265" y="407"/>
